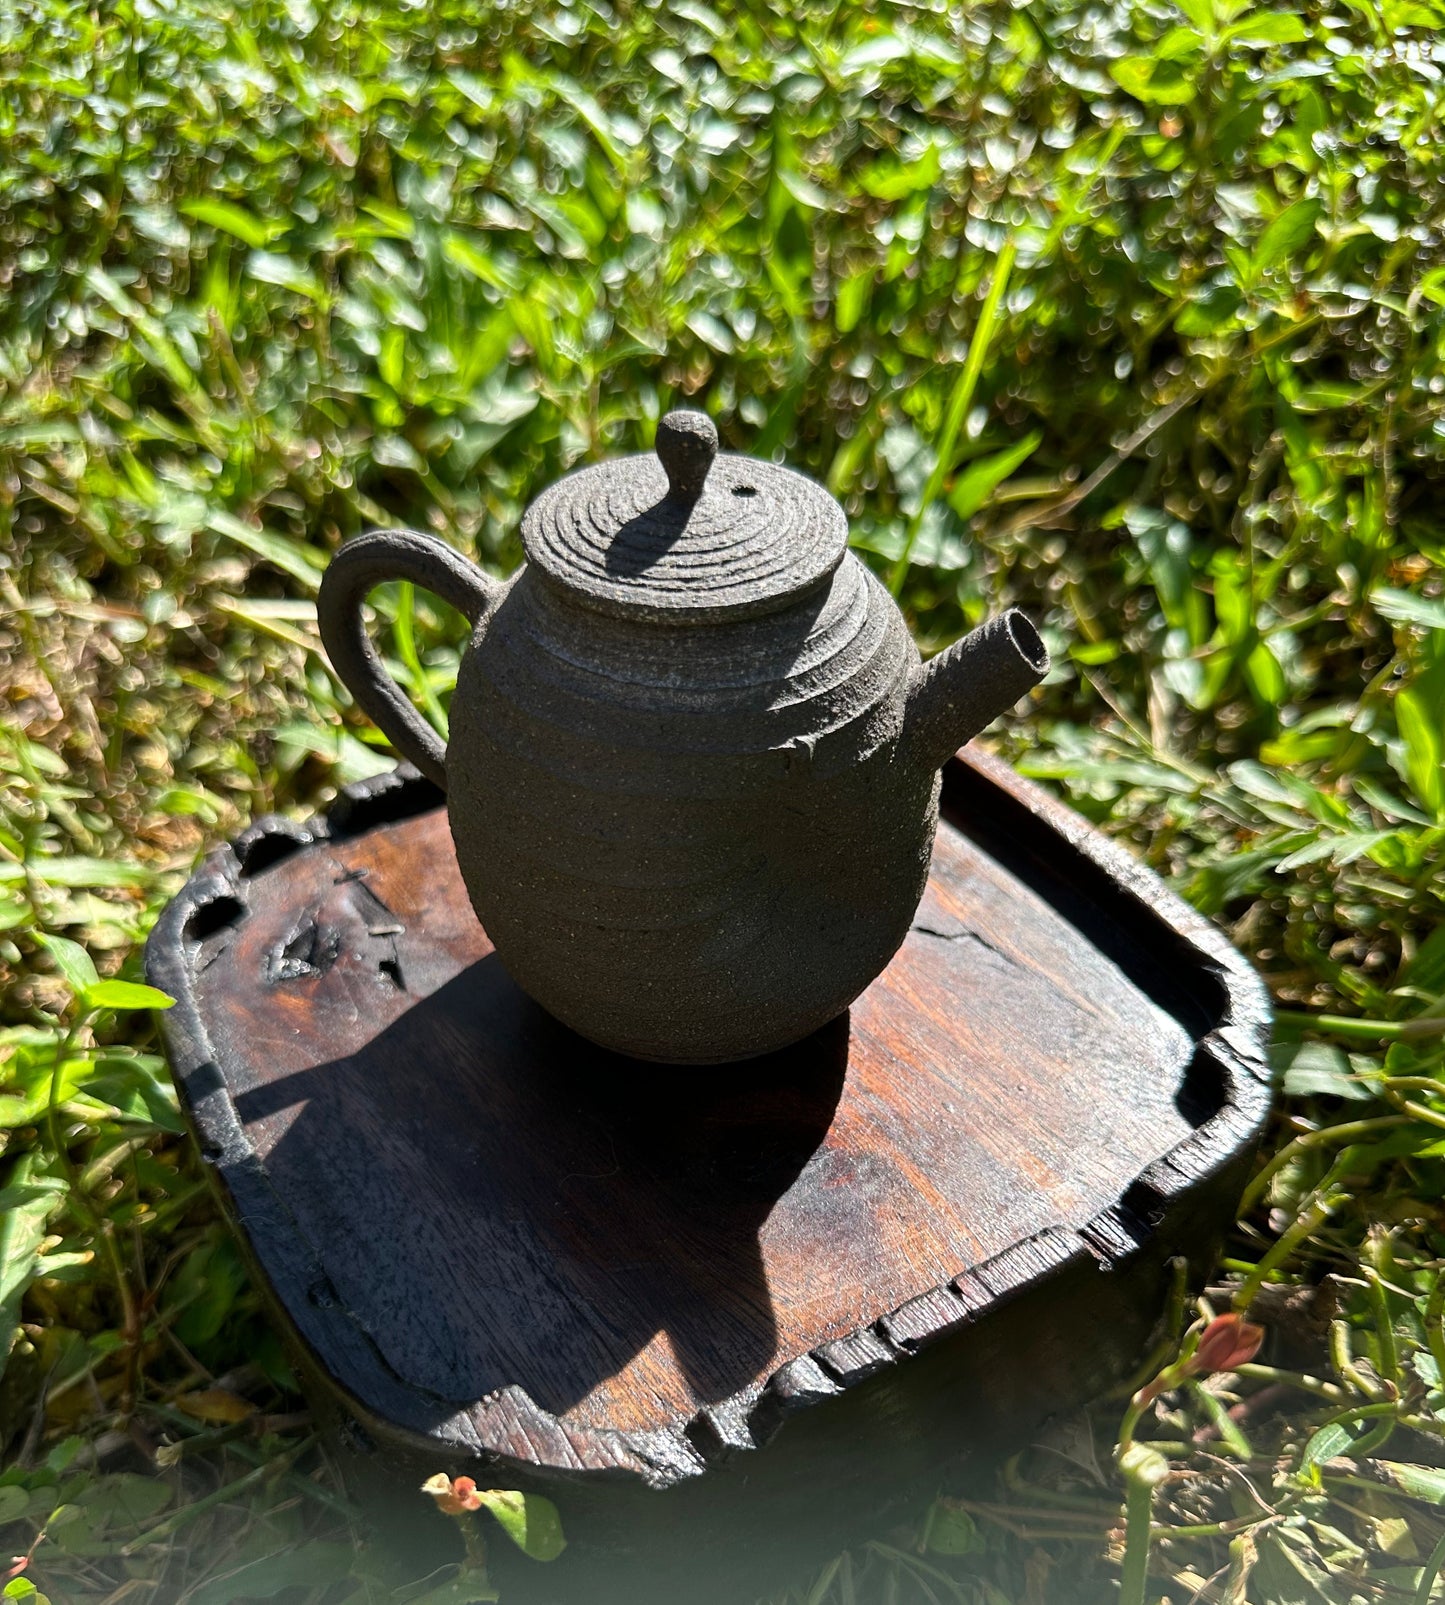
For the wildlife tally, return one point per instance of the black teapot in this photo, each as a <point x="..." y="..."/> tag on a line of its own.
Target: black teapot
<point x="694" y="760"/>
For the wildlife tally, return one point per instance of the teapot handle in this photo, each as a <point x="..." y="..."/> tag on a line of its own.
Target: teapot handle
<point x="363" y="563"/>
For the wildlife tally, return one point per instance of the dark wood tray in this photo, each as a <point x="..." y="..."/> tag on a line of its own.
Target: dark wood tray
<point x="916" y="1233"/>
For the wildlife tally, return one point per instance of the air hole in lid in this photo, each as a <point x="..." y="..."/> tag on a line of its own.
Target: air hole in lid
<point x="745" y="490"/>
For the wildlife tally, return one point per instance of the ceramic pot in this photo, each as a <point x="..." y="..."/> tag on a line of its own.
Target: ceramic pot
<point x="692" y="776"/>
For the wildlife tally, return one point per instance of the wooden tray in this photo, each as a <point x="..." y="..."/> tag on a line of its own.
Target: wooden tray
<point x="937" y="1220"/>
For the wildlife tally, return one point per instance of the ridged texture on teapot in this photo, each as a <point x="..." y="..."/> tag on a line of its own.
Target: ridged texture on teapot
<point x="625" y="708"/>
<point x="757" y="537"/>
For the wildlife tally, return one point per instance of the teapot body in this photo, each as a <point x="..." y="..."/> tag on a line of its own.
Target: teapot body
<point x="691" y="845"/>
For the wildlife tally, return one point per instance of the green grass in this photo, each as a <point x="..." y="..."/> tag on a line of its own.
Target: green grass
<point x="1132" y="315"/>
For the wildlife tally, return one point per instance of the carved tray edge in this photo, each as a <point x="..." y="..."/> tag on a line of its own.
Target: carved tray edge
<point x="508" y="1427"/>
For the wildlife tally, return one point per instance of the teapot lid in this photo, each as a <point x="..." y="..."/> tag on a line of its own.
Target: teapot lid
<point x="688" y="535"/>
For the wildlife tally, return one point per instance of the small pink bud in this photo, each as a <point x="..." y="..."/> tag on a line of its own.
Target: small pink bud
<point x="1228" y="1342"/>
<point x="464" y="1491"/>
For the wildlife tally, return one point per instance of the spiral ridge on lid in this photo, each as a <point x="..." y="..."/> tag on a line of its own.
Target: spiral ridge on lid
<point x="619" y="537"/>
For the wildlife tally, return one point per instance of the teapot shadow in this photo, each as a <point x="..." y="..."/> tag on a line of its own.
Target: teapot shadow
<point x="645" y="540"/>
<point x="498" y="1202"/>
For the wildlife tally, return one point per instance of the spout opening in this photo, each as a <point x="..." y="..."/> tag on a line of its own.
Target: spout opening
<point x="1027" y="641"/>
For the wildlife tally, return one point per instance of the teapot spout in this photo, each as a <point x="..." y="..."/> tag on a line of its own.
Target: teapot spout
<point x="958" y="693"/>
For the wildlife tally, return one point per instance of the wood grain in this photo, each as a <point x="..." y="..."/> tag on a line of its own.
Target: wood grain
<point x="500" y="1240"/>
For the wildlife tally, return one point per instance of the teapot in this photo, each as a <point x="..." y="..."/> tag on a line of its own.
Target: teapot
<point x="693" y="768"/>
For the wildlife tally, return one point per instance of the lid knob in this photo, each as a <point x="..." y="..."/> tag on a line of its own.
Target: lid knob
<point x="686" y="446"/>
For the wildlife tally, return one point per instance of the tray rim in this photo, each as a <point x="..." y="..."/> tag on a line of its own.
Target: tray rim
<point x="508" y="1426"/>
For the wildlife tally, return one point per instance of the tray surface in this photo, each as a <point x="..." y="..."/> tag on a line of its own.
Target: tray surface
<point x="497" y="1206"/>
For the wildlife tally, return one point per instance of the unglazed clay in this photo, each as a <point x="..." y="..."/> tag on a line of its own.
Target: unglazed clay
<point x="693" y="770"/>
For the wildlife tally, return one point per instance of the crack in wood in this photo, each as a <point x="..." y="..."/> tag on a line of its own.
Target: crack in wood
<point x="969" y="936"/>
<point x="383" y="925"/>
